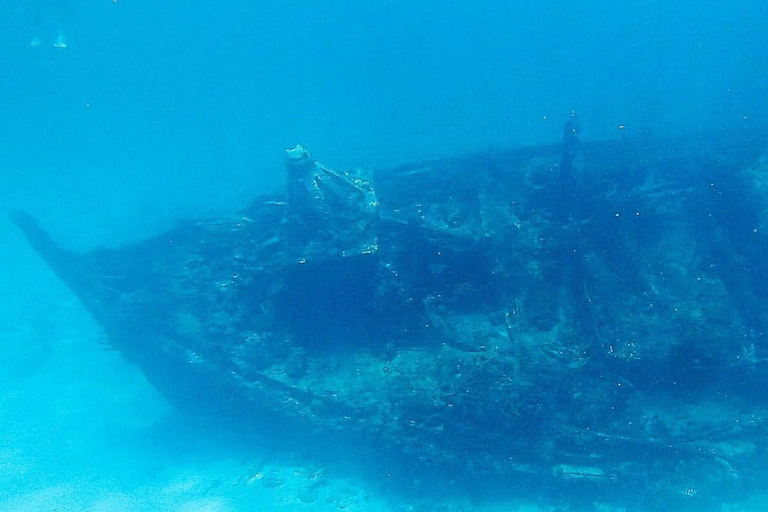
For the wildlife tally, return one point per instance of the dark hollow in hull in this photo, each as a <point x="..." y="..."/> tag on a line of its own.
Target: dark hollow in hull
<point x="597" y="322"/>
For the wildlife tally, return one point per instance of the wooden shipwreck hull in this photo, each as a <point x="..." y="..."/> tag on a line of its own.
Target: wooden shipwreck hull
<point x="588" y="317"/>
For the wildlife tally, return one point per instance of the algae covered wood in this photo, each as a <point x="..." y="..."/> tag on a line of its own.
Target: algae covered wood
<point x="593" y="317"/>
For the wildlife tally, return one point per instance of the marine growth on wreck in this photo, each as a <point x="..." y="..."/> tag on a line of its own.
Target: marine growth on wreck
<point x="587" y="314"/>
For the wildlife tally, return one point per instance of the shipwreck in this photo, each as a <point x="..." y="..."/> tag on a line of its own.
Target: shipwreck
<point x="588" y="313"/>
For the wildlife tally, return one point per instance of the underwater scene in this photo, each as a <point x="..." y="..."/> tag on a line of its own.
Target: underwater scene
<point x="383" y="256"/>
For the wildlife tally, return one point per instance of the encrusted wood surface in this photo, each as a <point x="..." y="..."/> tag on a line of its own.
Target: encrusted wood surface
<point x="487" y="312"/>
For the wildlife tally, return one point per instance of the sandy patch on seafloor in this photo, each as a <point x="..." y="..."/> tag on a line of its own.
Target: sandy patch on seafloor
<point x="221" y="487"/>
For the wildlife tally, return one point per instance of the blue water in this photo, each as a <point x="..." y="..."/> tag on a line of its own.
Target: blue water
<point x="119" y="117"/>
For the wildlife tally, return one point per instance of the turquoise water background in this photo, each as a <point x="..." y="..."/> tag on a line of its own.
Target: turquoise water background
<point x="156" y="111"/>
